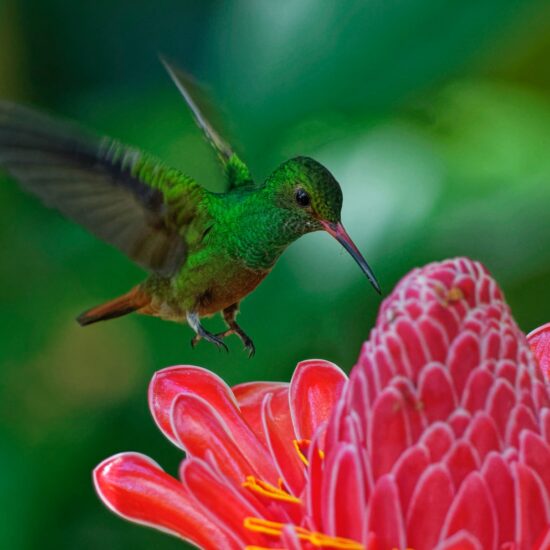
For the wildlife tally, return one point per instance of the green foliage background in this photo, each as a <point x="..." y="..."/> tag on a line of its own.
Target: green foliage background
<point x="434" y="116"/>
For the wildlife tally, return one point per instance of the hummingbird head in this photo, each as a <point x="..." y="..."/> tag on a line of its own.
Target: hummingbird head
<point x="313" y="199"/>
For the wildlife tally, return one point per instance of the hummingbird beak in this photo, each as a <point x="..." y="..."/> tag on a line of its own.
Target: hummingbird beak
<point x="340" y="234"/>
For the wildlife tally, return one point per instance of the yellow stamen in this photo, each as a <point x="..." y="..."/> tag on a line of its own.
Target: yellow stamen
<point x="270" y="491"/>
<point x="320" y="540"/>
<point x="298" y="446"/>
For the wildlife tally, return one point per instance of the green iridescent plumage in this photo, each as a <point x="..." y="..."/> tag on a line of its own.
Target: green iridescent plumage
<point x="205" y="251"/>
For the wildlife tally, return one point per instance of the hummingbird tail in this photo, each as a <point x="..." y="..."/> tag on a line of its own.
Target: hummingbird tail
<point x="127" y="303"/>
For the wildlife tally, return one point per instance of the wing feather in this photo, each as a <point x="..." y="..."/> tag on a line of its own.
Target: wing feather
<point x="117" y="192"/>
<point x="236" y="171"/>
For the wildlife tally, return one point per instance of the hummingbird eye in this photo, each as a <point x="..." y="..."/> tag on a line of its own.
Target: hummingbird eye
<point x="302" y="197"/>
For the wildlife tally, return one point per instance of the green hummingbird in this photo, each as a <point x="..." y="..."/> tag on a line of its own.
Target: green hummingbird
<point x="204" y="251"/>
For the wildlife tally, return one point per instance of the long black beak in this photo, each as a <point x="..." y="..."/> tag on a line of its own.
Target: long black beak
<point x="341" y="235"/>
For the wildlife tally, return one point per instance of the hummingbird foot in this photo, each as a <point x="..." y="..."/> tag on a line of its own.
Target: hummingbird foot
<point x="201" y="333"/>
<point x="229" y="316"/>
<point x="245" y="339"/>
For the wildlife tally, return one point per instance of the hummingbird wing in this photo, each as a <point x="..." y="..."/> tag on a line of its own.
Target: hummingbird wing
<point x="238" y="174"/>
<point x="120" y="194"/>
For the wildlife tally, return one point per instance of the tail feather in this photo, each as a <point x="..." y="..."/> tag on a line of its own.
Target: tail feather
<point x="127" y="303"/>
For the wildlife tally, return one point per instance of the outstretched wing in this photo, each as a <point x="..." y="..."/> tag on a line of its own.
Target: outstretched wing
<point x="120" y="194"/>
<point x="237" y="173"/>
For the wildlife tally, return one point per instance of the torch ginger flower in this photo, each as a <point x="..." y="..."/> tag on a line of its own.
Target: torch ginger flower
<point x="440" y="438"/>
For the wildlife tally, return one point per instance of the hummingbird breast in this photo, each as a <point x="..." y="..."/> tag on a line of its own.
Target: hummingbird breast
<point x="205" y="287"/>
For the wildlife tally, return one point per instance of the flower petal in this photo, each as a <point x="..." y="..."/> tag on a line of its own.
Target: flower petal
<point x="483" y="435"/>
<point x="200" y="429"/>
<point x="168" y="383"/>
<point x="315" y="387"/>
<point x="250" y="396"/>
<point x="461" y="541"/>
<point x="429" y="504"/>
<point x="280" y="439"/>
<point x="480" y="520"/>
<point x="539" y="341"/>
<point x="460" y="461"/>
<point x="136" y="488"/>
<point x="344" y="495"/>
<point x="532" y="505"/>
<point x="223" y="503"/>
<point x="501" y="485"/>
<point x="408" y="469"/>
<point x="290" y="539"/>
<point x="436" y="392"/>
<point x="385" y="517"/>
<point x="389" y="435"/>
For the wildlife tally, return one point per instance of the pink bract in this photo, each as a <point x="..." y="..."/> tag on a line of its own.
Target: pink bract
<point x="440" y="438"/>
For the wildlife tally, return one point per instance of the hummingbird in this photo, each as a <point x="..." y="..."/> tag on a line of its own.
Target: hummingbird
<point x="204" y="251"/>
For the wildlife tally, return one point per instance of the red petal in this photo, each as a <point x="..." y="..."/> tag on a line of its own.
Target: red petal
<point x="199" y="429"/>
<point x="290" y="539"/>
<point x="473" y="511"/>
<point x="459" y="421"/>
<point x="315" y="387"/>
<point x="521" y="419"/>
<point x="483" y="435"/>
<point x="344" y="498"/>
<point x="501" y="486"/>
<point x="535" y="452"/>
<point x="408" y="469"/>
<point x="168" y="383"/>
<point x="532" y="505"/>
<point x="414" y="346"/>
<point x="436" y="392"/>
<point x="463" y="358"/>
<point x="225" y="505"/>
<point x="544" y="542"/>
<point x="461" y="541"/>
<point x="136" y="488"/>
<point x="280" y="443"/>
<point x="314" y="486"/>
<point x="444" y="317"/>
<point x="435" y="338"/>
<point x="428" y="508"/>
<point x="388" y="437"/>
<point x="461" y="460"/>
<point x="545" y="424"/>
<point x="385" y="517"/>
<point x="250" y="396"/>
<point x="500" y="403"/>
<point x="415" y="417"/>
<point x="539" y="340"/>
<point x="438" y="438"/>
<point x="477" y="388"/>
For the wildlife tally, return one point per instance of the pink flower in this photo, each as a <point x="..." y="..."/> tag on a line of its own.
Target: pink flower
<point x="440" y="439"/>
<point x="245" y="472"/>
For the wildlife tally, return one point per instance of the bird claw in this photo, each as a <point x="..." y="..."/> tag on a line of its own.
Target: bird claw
<point x="248" y="346"/>
<point x="245" y="339"/>
<point x="212" y="338"/>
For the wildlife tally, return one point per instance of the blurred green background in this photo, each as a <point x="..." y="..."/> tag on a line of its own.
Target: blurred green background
<point x="434" y="116"/>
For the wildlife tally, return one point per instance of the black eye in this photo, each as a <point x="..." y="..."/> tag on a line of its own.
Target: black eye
<point x="302" y="197"/>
